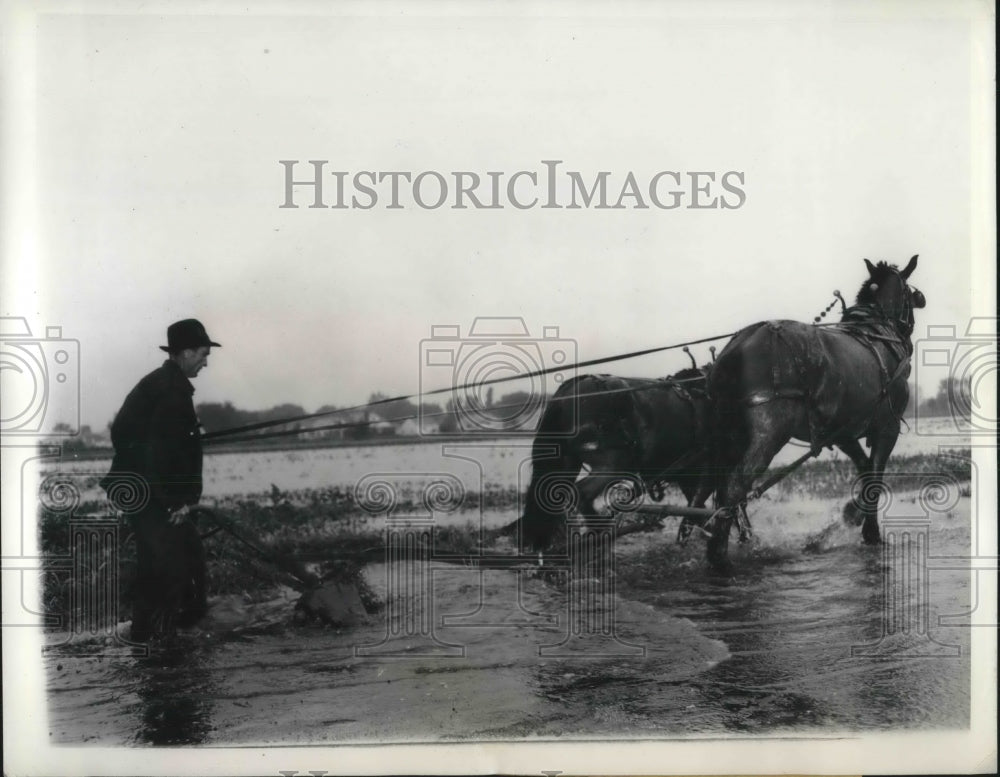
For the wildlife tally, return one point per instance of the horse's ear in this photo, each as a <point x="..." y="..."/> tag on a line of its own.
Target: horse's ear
<point x="909" y="268"/>
<point x="870" y="266"/>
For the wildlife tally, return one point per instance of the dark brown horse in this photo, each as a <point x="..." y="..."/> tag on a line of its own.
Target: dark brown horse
<point x="825" y="385"/>
<point x="598" y="430"/>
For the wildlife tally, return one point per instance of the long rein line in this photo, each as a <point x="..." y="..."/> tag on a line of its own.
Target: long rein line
<point x="648" y="383"/>
<point x="213" y="438"/>
<point x="217" y="437"/>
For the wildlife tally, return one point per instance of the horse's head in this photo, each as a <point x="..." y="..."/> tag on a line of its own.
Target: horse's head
<point x="887" y="291"/>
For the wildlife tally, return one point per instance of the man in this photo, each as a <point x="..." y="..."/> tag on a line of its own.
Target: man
<point x="156" y="436"/>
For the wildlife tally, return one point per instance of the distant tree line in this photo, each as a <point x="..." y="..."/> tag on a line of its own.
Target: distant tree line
<point x="383" y="418"/>
<point x="380" y="417"/>
<point x="954" y="396"/>
<point x="217" y="416"/>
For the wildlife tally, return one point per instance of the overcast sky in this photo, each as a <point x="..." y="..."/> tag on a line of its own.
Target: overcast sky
<point x="151" y="155"/>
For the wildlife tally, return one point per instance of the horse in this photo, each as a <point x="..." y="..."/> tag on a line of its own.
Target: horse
<point x="825" y="385"/>
<point x="648" y="432"/>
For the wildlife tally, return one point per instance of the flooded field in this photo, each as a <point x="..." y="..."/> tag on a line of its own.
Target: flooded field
<point x="481" y="465"/>
<point x="811" y="632"/>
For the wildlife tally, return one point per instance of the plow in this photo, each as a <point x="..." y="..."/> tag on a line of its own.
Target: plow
<point x="338" y="602"/>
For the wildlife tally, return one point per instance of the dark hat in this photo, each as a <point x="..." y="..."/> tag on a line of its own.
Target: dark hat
<point x="188" y="333"/>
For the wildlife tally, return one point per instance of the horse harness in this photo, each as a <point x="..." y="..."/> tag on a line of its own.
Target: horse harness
<point x="868" y="335"/>
<point x="690" y="395"/>
<point x="866" y="326"/>
<point x="629" y="436"/>
<point x="692" y="391"/>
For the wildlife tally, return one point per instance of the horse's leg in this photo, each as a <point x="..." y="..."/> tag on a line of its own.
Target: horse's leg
<point x="882" y="442"/>
<point x="705" y="488"/>
<point x="696" y="494"/>
<point x="862" y="463"/>
<point x="743" y="525"/>
<point x="589" y="488"/>
<point x="657" y="491"/>
<point x="696" y="489"/>
<point x="854" y="451"/>
<point x="769" y="426"/>
<point x="687" y="524"/>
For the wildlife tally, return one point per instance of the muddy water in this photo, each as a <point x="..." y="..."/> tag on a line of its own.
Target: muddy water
<point x="801" y="635"/>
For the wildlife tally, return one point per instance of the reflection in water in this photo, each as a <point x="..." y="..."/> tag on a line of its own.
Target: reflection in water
<point x="175" y="688"/>
<point x="789" y="623"/>
<point x="793" y="622"/>
<point x="770" y="648"/>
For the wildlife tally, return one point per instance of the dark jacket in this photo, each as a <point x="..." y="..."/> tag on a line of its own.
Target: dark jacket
<point x="156" y="435"/>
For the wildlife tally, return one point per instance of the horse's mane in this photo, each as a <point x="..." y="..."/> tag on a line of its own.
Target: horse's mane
<point x="691" y="374"/>
<point x="883" y="271"/>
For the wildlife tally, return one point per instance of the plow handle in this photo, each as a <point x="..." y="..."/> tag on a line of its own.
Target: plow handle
<point x="287" y="564"/>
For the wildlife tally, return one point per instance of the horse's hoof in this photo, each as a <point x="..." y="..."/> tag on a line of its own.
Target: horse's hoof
<point x="872" y="538"/>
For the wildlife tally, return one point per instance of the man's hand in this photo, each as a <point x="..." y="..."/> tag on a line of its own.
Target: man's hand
<point x="177" y="517"/>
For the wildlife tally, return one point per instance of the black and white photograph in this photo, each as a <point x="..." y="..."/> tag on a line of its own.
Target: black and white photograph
<point x="475" y="388"/>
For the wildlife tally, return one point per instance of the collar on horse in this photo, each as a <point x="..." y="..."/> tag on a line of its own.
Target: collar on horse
<point x="870" y="324"/>
<point x="875" y="313"/>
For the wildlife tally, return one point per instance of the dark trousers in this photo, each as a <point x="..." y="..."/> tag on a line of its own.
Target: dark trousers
<point x="170" y="584"/>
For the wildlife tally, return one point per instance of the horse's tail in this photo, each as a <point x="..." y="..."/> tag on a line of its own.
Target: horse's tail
<point x="555" y="463"/>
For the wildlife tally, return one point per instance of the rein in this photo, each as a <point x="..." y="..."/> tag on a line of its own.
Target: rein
<point x="650" y="383"/>
<point x="869" y="324"/>
<point x="215" y="436"/>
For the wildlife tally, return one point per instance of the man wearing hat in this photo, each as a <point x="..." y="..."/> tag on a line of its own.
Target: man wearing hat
<point x="157" y="438"/>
